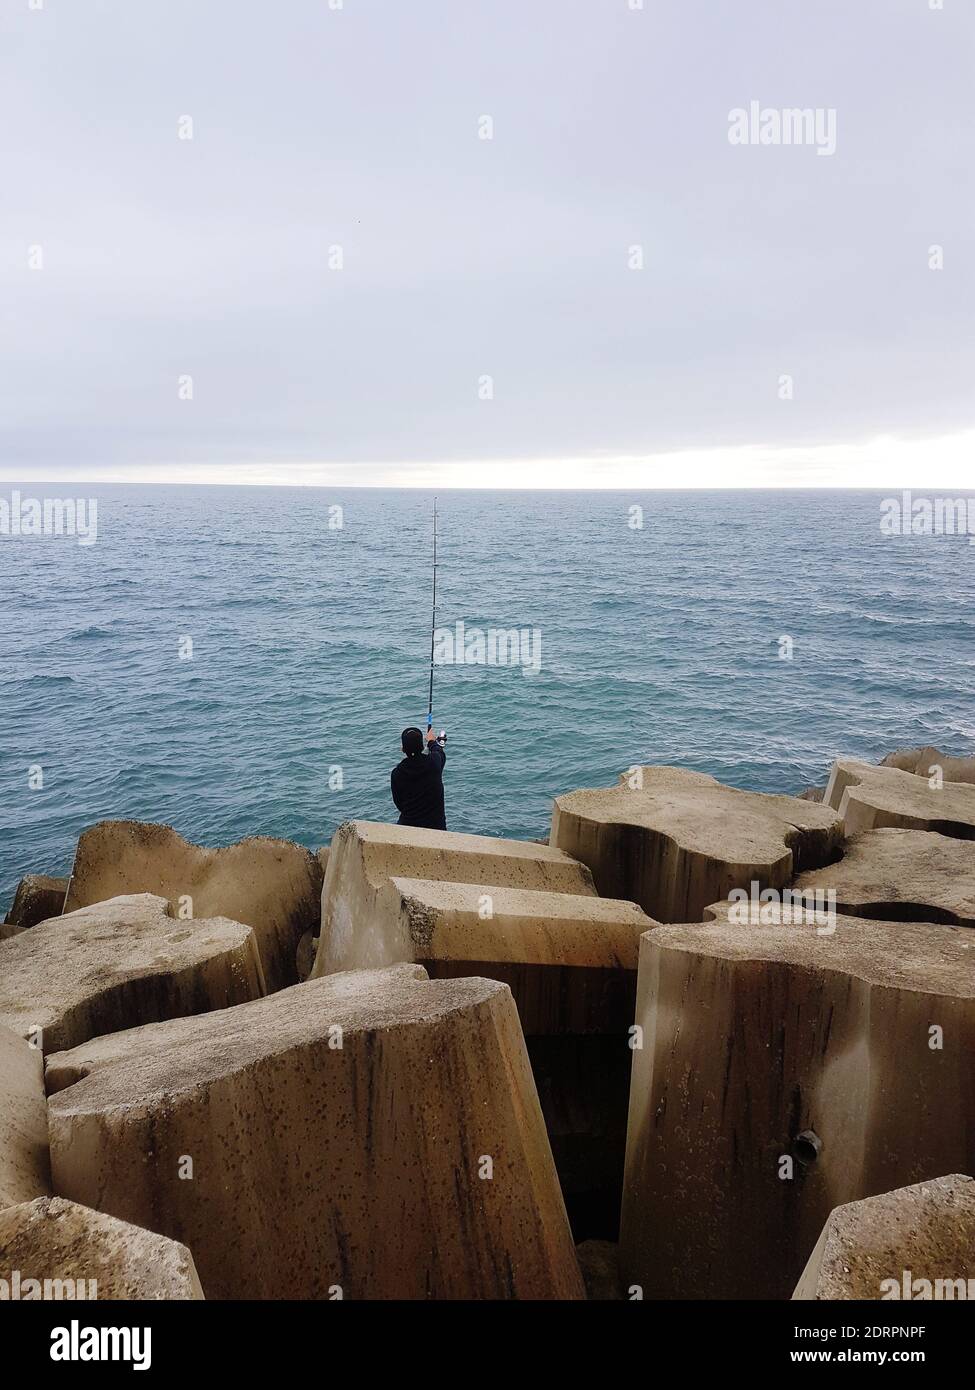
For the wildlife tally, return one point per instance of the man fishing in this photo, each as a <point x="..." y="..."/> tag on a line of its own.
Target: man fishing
<point x="417" y="782"/>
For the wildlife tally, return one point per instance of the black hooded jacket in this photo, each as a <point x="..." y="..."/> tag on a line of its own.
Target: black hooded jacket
<point x="417" y="787"/>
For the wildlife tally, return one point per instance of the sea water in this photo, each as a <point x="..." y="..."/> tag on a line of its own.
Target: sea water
<point x="236" y="660"/>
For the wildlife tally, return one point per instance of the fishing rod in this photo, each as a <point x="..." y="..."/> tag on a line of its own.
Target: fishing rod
<point x="442" y="736"/>
<point x="433" y="630"/>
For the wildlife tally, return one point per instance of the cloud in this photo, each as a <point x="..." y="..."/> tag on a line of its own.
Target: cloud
<point x="463" y="259"/>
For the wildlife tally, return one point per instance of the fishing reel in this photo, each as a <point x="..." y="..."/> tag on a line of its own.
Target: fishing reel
<point x="442" y="738"/>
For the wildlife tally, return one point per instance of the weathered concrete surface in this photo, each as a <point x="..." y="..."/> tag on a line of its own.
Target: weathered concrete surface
<point x="599" y="1261"/>
<point x="50" y="1238"/>
<point x="753" y="1039"/>
<point x="527" y="915"/>
<point x="38" y="897"/>
<point x="680" y="840"/>
<point x="25" y="1168"/>
<point x="305" y="956"/>
<point x="570" y="962"/>
<point x="924" y="760"/>
<point x="901" y="875"/>
<point x="359" y="901"/>
<point x="119" y="964"/>
<point x="339" y="1131"/>
<point x="872" y="1247"/>
<point x="873" y="798"/>
<point x="273" y="886"/>
<point x="308" y="945"/>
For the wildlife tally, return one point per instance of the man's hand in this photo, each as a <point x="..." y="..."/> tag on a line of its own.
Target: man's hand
<point x="431" y="736"/>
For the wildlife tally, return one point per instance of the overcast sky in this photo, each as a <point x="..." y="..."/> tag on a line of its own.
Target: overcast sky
<point x="132" y="259"/>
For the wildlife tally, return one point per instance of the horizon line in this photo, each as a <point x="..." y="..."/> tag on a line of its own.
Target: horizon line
<point x="926" y="488"/>
<point x="881" y="463"/>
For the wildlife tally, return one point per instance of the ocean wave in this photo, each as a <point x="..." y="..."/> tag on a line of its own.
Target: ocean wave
<point x="616" y="603"/>
<point x="41" y="680"/>
<point x="88" y="634"/>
